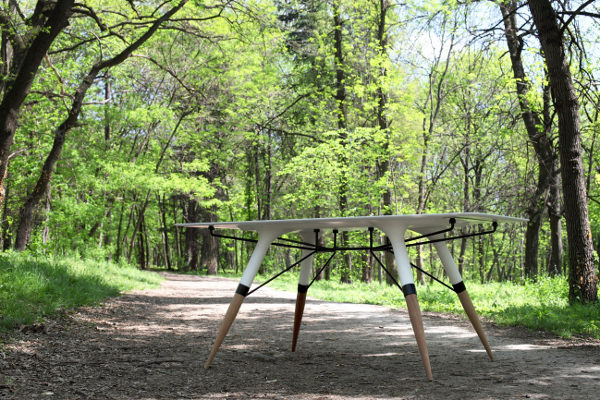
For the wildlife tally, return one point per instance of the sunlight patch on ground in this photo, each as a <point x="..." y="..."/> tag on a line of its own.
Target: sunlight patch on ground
<point x="390" y="354"/>
<point x="448" y="332"/>
<point x="522" y="346"/>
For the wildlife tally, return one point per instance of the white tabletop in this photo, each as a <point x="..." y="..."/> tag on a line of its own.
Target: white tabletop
<point x="416" y="222"/>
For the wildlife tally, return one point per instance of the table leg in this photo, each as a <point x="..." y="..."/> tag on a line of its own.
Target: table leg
<point x="264" y="241"/>
<point x="457" y="282"/>
<point x="303" y="282"/>
<point x="396" y="236"/>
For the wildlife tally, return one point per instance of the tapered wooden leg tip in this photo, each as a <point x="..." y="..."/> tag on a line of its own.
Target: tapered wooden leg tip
<point x="300" y="301"/>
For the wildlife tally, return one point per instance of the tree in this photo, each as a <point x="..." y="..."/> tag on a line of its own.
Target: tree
<point x="538" y="131"/>
<point x="582" y="271"/>
<point x="435" y="93"/>
<point x="27" y="50"/>
<point x="342" y="125"/>
<point x="26" y="214"/>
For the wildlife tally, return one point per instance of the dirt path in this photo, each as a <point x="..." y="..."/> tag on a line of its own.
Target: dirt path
<point x="152" y="345"/>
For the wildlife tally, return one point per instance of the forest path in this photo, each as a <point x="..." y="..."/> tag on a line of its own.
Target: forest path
<point x="152" y="344"/>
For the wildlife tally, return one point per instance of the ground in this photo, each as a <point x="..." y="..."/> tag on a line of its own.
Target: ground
<point x="152" y="344"/>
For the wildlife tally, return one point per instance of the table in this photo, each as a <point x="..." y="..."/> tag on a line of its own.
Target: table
<point x="429" y="228"/>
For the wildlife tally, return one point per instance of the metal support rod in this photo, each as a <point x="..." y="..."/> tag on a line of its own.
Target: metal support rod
<point x="211" y="229"/>
<point x="385" y="247"/>
<point x="298" y="245"/>
<point x="386" y="270"/>
<point x="321" y="269"/>
<point x="282" y="272"/>
<point x="433" y="277"/>
<point x="378" y="260"/>
<point x="428" y="274"/>
<point x="452" y="223"/>
<point x="295" y="241"/>
<point x="291" y="246"/>
<point x="335" y="232"/>
<point x="494" y="226"/>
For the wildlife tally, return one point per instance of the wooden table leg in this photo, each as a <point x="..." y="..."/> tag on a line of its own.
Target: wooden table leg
<point x="300" y="302"/>
<point x="312" y="237"/>
<point x="416" y="320"/>
<point x="264" y="241"/>
<point x="395" y="233"/>
<point x="467" y="304"/>
<point x="460" y="289"/>
<point x="230" y="315"/>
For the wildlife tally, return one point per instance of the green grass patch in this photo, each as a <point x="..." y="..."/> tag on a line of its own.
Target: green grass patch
<point x="34" y="286"/>
<point x="541" y="305"/>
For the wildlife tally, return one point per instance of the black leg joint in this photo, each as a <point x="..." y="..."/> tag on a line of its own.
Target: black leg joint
<point x="459" y="287"/>
<point x="242" y="289"/>
<point x="409" y="289"/>
<point x="302" y="288"/>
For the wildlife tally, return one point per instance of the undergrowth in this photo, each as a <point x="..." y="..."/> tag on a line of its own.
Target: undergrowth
<point x="34" y="286"/>
<point x="541" y="305"/>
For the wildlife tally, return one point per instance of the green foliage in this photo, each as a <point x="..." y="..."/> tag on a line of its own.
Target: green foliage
<point x="33" y="286"/>
<point x="229" y="112"/>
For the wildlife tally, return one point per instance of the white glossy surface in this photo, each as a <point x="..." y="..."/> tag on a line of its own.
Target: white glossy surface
<point x="415" y="222"/>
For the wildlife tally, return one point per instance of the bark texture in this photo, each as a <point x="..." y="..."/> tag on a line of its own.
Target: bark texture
<point x="60" y="134"/>
<point x="582" y="273"/>
<point x="26" y="58"/>
<point x="538" y="133"/>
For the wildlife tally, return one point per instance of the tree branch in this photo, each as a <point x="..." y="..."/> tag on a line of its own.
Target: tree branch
<point x="573" y="14"/>
<point x="88" y="11"/>
<point x="15" y="4"/>
<point x="9" y="32"/>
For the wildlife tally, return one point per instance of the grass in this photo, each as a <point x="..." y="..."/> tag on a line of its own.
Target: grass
<point x="34" y="286"/>
<point x="541" y="305"/>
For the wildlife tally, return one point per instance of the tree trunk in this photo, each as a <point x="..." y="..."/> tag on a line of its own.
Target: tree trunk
<point x="107" y="97"/>
<point x="340" y="98"/>
<point x="538" y="134"/>
<point x="462" y="252"/>
<point x="555" y="263"/>
<point x="431" y="110"/>
<point x="554" y="266"/>
<point x="162" y="209"/>
<point x="268" y="180"/>
<point x="191" y="235"/>
<point x="6" y="53"/>
<point x="141" y="243"/>
<point x="210" y="247"/>
<point x="582" y="271"/>
<point x="367" y="271"/>
<point x="177" y="234"/>
<point x="118" y="243"/>
<point x="383" y="164"/>
<point x="25" y="70"/>
<point x="6" y="231"/>
<point x="41" y="187"/>
<point x="46" y="229"/>
<point x="138" y="225"/>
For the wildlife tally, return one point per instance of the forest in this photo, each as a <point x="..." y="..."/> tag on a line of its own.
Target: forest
<point x="121" y="119"/>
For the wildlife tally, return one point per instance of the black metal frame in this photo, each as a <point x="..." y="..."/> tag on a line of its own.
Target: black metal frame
<point x="315" y="249"/>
